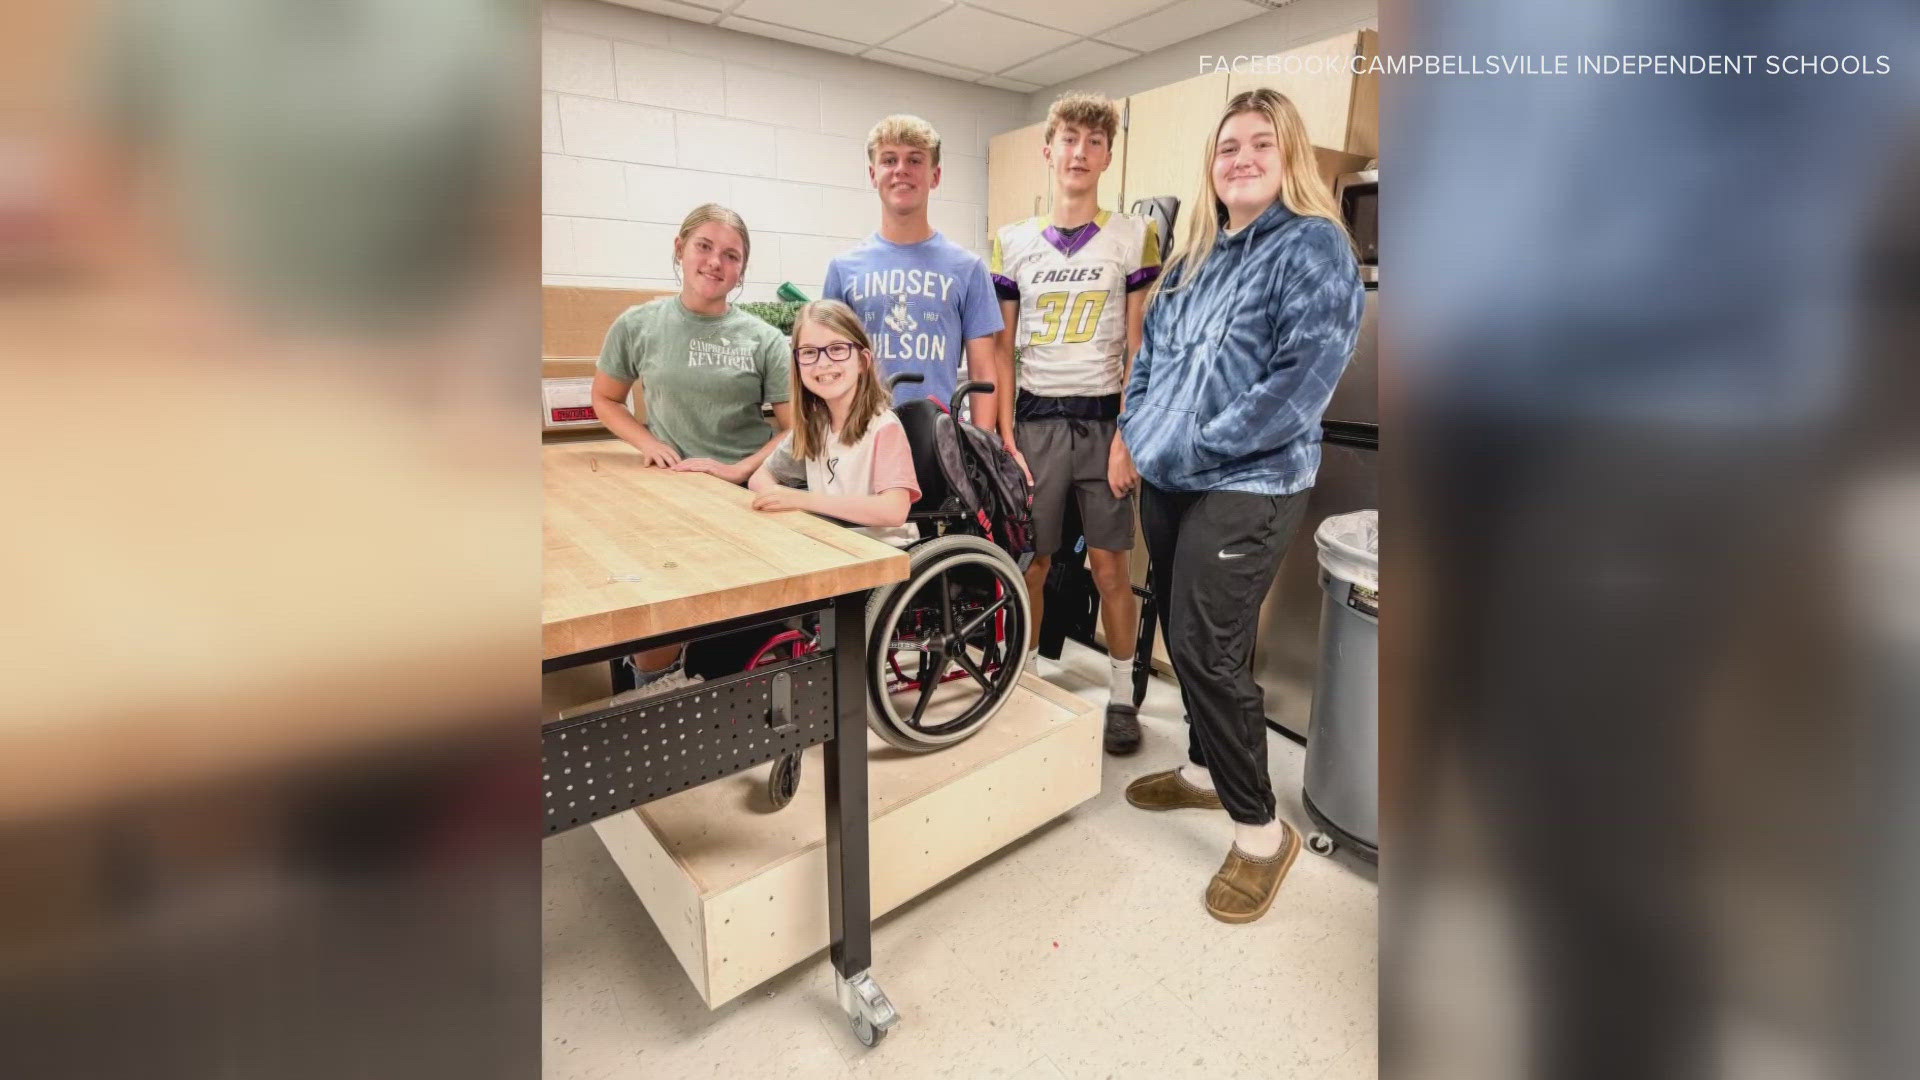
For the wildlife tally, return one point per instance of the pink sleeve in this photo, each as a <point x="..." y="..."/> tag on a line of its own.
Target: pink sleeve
<point x="893" y="462"/>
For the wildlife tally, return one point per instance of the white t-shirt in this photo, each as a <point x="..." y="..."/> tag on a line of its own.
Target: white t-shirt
<point x="880" y="461"/>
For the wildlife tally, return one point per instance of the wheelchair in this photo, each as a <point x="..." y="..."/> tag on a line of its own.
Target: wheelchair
<point x="945" y="647"/>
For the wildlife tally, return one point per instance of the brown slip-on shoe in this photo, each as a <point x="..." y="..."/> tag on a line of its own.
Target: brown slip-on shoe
<point x="1244" y="888"/>
<point x="1169" y="791"/>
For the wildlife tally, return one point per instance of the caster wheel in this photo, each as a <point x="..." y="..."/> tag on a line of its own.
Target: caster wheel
<point x="1321" y="844"/>
<point x="868" y="1035"/>
<point x="783" y="781"/>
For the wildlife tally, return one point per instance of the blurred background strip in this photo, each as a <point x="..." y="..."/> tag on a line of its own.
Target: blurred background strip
<point x="1648" y="750"/>
<point x="268" y="794"/>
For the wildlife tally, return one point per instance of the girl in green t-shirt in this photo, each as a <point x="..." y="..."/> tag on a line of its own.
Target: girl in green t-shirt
<point x="704" y="368"/>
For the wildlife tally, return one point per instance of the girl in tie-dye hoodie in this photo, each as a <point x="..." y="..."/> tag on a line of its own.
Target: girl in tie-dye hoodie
<point x="1251" y="325"/>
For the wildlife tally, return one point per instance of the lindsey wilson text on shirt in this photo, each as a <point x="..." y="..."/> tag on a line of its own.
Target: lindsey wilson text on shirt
<point x="908" y="331"/>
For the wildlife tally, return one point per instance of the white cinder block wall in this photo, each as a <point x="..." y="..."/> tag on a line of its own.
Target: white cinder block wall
<point x="644" y="117"/>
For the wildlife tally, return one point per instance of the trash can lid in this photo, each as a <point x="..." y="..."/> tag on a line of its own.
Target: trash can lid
<point x="1350" y="547"/>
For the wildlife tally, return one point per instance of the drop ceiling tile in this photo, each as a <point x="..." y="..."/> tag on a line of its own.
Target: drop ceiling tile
<point x="1070" y="63"/>
<point x="1015" y="85"/>
<point x="705" y="13"/>
<point x="921" y="63"/>
<point x="971" y="38"/>
<point x="867" y="21"/>
<point x="1188" y="19"/>
<point x="787" y="33"/>
<point x="1074" y="16"/>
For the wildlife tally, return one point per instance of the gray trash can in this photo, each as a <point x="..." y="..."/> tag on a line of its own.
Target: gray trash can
<point x="1342" y="789"/>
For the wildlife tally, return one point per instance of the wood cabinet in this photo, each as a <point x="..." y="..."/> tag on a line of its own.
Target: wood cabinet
<point x="1167" y="132"/>
<point x="1113" y="184"/>
<point x="1341" y="109"/>
<point x="1017" y="186"/>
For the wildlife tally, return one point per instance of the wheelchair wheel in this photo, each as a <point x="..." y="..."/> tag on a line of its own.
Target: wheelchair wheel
<point x="960" y="621"/>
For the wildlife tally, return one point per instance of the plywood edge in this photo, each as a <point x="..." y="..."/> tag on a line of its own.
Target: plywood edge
<point x="1041" y="688"/>
<point x="677" y="910"/>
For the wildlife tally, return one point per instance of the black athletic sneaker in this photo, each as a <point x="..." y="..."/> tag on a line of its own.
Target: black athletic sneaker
<point x="1123" y="728"/>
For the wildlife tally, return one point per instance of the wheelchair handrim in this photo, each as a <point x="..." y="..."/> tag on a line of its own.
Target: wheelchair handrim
<point x="1000" y="641"/>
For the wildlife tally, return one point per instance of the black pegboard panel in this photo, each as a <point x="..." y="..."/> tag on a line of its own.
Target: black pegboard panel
<point x="600" y="764"/>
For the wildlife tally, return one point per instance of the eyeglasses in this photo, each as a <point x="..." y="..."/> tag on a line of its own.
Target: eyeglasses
<point x="838" y="351"/>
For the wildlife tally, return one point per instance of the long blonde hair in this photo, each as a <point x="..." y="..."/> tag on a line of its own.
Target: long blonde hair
<point x="810" y="423"/>
<point x="1302" y="190"/>
<point x="714" y="212"/>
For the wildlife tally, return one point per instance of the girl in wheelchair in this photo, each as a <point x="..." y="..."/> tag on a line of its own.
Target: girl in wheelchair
<point x="945" y="646"/>
<point x="847" y="455"/>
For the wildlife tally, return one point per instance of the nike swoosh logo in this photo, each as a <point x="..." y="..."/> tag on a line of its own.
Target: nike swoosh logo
<point x="1235" y="554"/>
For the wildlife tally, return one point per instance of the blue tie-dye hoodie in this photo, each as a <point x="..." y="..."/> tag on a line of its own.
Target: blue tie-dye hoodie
<point x="1236" y="367"/>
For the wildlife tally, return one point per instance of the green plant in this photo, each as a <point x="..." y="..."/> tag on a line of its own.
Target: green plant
<point x="777" y="313"/>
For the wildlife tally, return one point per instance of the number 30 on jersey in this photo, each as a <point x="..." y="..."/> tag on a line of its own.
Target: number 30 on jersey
<point x="1078" y="322"/>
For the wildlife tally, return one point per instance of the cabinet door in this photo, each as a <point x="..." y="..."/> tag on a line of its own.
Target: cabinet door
<point x="1113" y="183"/>
<point x="1016" y="177"/>
<point x="1167" y="137"/>
<point x="1322" y="89"/>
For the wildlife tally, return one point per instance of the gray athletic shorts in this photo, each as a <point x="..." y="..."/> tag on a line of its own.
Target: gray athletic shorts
<point x="1068" y="459"/>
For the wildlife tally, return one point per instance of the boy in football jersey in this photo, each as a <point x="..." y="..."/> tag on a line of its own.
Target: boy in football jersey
<point x="926" y="302"/>
<point x="1073" y="288"/>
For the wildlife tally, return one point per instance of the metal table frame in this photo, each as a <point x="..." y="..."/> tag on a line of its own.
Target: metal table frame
<point x="589" y="770"/>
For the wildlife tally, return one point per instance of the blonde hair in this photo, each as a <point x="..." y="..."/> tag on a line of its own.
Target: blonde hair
<point x="904" y="130"/>
<point x="707" y="213"/>
<point x="870" y="398"/>
<point x="1302" y="190"/>
<point x="1091" y="111"/>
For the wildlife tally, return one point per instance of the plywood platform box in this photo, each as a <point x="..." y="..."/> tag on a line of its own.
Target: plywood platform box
<point x="740" y="894"/>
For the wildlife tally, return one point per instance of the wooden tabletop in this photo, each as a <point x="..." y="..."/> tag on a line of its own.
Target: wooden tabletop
<point x="633" y="552"/>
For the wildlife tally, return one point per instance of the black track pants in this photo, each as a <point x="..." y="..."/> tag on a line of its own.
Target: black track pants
<point x="1214" y="556"/>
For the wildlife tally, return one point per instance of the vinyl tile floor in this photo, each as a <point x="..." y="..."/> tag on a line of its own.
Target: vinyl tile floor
<point x="1082" y="950"/>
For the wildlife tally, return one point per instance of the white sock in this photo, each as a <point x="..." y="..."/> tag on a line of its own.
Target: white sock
<point x="1259" y="841"/>
<point x="643" y="677"/>
<point x="1197" y="776"/>
<point x="1033" y="663"/>
<point x="1120" y="682"/>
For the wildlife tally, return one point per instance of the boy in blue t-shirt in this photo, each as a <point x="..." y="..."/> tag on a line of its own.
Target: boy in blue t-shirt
<point x="925" y="300"/>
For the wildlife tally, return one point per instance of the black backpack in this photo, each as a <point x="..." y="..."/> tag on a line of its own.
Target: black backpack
<point x="984" y="475"/>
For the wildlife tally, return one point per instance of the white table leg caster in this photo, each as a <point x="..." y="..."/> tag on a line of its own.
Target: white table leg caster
<point x="867" y="1008"/>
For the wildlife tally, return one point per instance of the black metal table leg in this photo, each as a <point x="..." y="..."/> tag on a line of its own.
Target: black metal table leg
<point x="1143" y="645"/>
<point x="848" y="898"/>
<point x="849" y="888"/>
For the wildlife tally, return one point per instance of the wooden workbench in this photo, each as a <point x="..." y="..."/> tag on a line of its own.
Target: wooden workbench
<point x="634" y="552"/>
<point x="638" y="557"/>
